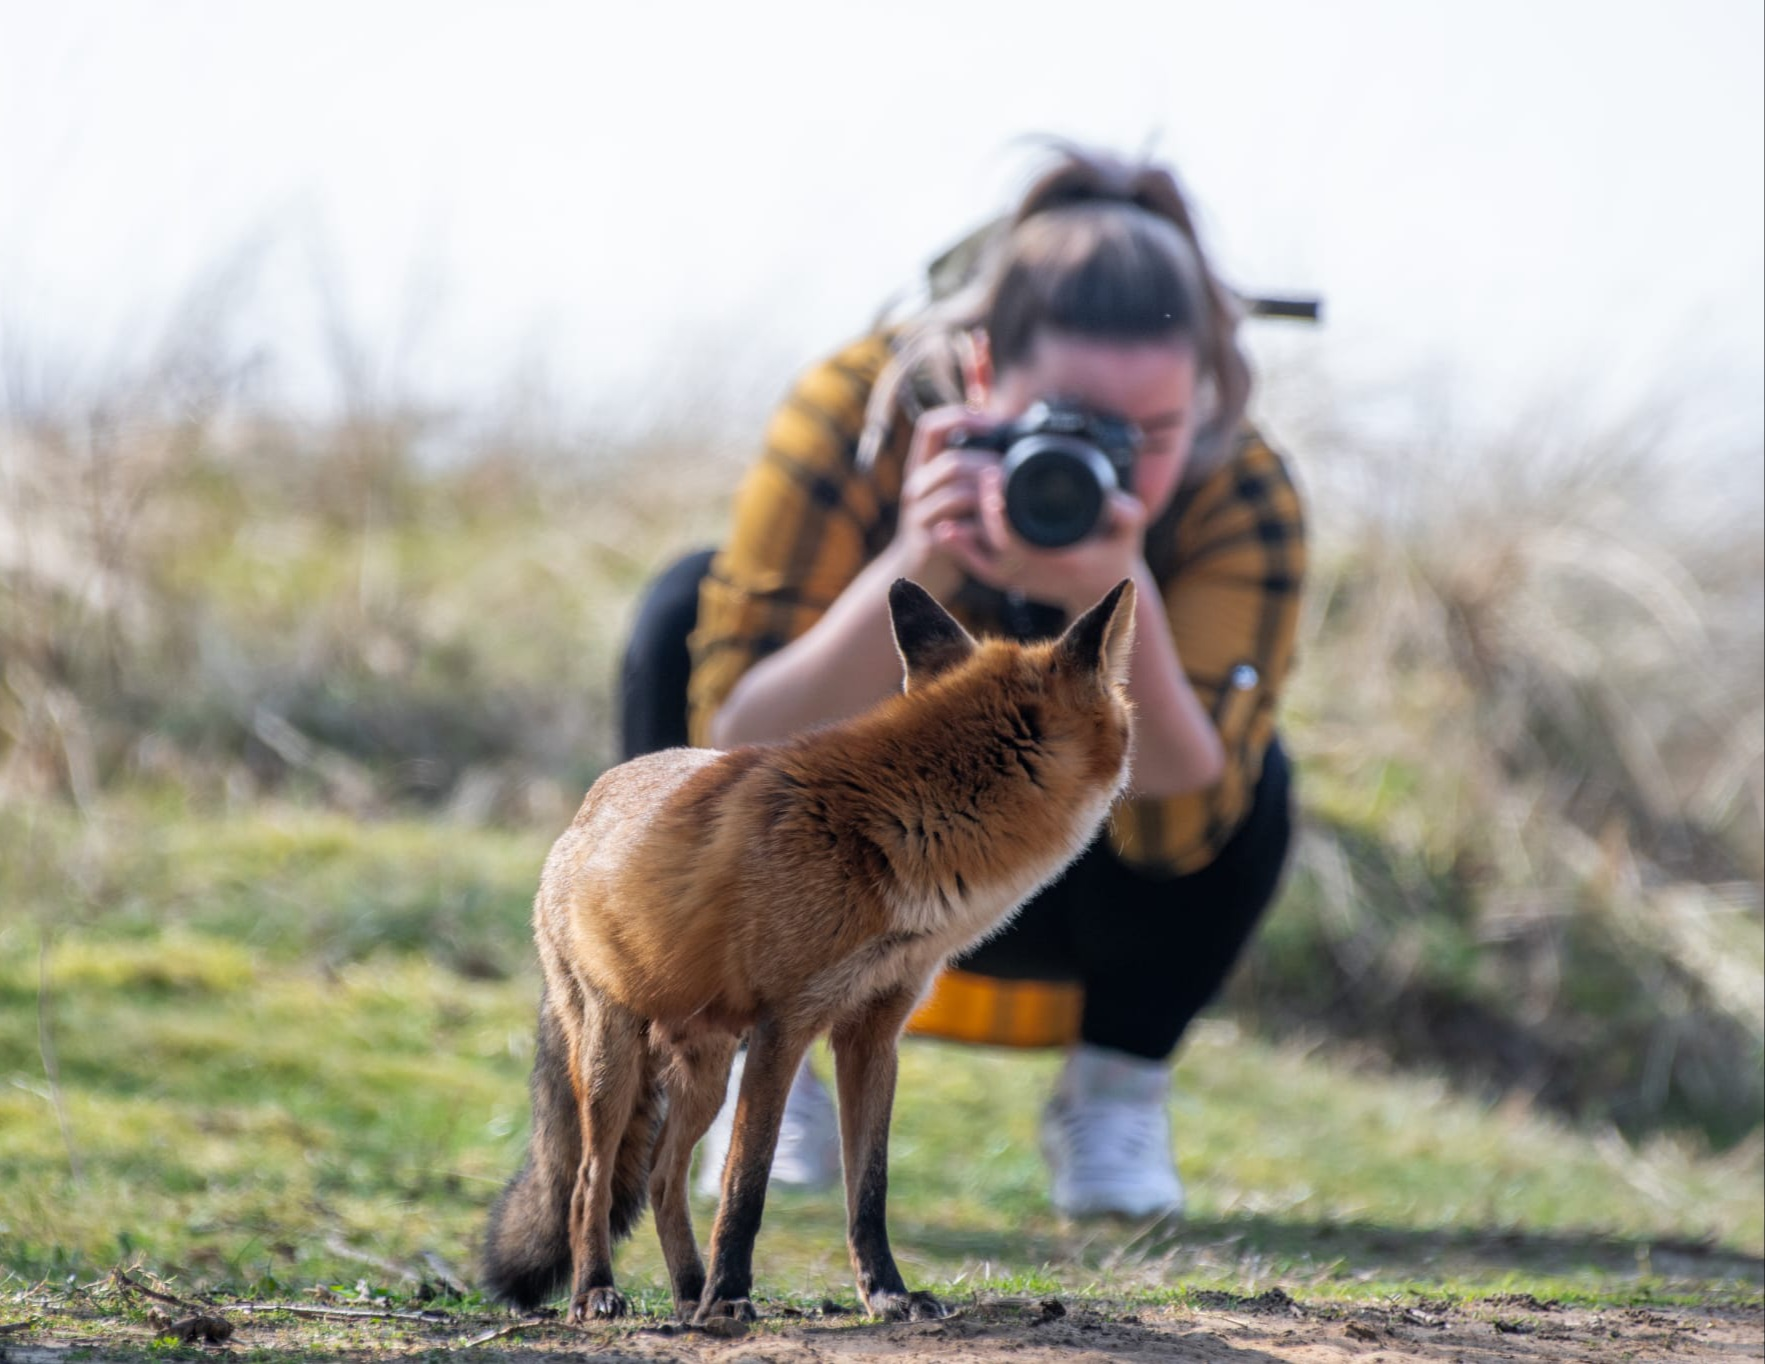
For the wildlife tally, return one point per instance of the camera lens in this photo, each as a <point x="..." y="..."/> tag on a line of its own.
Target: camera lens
<point x="1055" y="489"/>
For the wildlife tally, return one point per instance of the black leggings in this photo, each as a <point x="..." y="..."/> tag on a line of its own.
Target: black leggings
<point x="1150" y="950"/>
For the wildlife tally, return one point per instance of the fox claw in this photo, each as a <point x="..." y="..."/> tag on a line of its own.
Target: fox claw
<point x="598" y="1303"/>
<point x="741" y="1309"/>
<point x="906" y="1307"/>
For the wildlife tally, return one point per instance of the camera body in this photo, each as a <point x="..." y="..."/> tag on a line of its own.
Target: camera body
<point x="1061" y="462"/>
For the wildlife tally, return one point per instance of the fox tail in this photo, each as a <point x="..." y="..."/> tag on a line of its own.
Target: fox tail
<point x="527" y="1245"/>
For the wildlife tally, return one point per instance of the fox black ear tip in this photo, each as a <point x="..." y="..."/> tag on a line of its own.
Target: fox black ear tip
<point x="905" y="590"/>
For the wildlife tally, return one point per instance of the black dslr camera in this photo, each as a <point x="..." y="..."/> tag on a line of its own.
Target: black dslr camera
<point x="1062" y="461"/>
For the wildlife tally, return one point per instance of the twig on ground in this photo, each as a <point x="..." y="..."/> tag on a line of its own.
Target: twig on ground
<point x="123" y="1279"/>
<point x="340" y="1313"/>
<point x="525" y="1324"/>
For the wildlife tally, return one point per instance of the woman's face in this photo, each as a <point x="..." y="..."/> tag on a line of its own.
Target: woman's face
<point x="1151" y="383"/>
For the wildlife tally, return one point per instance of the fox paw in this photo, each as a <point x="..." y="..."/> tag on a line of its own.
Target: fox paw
<point x="739" y="1308"/>
<point x="686" y="1300"/>
<point x="905" y="1307"/>
<point x="598" y="1304"/>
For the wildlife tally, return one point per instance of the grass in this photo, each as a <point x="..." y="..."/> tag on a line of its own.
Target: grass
<point x="289" y="713"/>
<point x="226" y="1055"/>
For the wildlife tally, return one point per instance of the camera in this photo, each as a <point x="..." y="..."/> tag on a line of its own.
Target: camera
<point x="1062" y="461"/>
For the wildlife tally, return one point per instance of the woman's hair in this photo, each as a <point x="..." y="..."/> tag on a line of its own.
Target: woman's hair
<point x="1098" y="247"/>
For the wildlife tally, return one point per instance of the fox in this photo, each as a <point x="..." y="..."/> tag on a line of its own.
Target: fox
<point x="772" y="894"/>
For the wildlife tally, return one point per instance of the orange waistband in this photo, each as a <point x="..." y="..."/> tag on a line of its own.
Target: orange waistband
<point x="1001" y="1013"/>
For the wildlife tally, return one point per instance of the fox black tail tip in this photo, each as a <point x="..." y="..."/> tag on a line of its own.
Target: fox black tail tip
<point x="524" y="1264"/>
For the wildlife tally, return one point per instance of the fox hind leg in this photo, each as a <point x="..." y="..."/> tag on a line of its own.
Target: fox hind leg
<point x="607" y="1071"/>
<point x="695" y="1076"/>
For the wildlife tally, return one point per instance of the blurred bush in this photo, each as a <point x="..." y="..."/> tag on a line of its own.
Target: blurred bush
<point x="1531" y="717"/>
<point x="1528" y="714"/>
<point x="258" y="606"/>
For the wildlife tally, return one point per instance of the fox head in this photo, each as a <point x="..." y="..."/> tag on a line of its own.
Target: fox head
<point x="1065" y="699"/>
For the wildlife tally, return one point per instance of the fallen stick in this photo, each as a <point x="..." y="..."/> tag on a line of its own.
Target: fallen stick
<point x="124" y="1280"/>
<point x="300" y="1309"/>
<point x="510" y="1330"/>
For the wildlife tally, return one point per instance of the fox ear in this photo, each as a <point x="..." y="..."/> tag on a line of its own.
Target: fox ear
<point x="1102" y="639"/>
<point x="927" y="636"/>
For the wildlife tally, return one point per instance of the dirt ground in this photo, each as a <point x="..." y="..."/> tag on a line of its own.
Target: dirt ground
<point x="1245" y="1331"/>
<point x="1484" y="1332"/>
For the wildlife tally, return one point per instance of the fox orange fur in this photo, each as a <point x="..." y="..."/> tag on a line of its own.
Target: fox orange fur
<point x="775" y="893"/>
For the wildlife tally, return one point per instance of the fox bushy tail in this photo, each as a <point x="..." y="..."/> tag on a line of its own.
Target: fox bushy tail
<point x="527" y="1246"/>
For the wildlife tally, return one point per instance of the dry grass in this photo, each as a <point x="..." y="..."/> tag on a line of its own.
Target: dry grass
<point x="1529" y="714"/>
<point x="252" y="605"/>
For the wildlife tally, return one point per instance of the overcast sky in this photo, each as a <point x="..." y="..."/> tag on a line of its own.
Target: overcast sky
<point x="1496" y="198"/>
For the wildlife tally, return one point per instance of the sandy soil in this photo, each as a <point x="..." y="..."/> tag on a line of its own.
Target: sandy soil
<point x="1280" y="1331"/>
<point x="1256" y="1331"/>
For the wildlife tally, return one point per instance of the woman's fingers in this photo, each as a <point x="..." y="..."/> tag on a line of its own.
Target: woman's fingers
<point x="953" y="502"/>
<point x="932" y="432"/>
<point x="949" y="466"/>
<point x="994" y="523"/>
<point x="961" y="542"/>
<point x="1123" y="512"/>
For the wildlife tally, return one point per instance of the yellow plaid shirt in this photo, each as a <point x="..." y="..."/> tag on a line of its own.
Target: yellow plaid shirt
<point x="1229" y="555"/>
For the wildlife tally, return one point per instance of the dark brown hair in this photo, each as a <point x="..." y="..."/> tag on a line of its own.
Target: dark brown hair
<point x="1097" y="247"/>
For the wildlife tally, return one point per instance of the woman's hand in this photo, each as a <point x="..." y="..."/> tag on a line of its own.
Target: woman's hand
<point x="1074" y="576"/>
<point x="940" y="501"/>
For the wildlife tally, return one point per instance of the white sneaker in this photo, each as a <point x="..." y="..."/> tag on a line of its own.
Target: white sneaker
<point x="808" y="1153"/>
<point x="1107" y="1137"/>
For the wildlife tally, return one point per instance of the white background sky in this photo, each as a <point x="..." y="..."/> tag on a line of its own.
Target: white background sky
<point x="1522" y="196"/>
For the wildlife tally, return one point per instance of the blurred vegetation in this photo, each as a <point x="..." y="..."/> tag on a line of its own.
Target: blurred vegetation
<point x="1528" y="713"/>
<point x="1531" y="715"/>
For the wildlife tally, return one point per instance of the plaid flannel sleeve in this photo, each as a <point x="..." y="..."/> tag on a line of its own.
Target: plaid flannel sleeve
<point x="806" y="521"/>
<point x="1233" y="602"/>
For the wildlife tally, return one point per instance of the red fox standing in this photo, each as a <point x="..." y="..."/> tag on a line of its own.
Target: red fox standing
<point x="779" y="892"/>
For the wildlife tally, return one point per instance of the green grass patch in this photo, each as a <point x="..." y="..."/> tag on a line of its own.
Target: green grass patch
<point x="293" y="1047"/>
<point x="287" y="882"/>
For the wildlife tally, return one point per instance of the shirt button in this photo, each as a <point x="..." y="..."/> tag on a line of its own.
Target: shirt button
<point x="1244" y="677"/>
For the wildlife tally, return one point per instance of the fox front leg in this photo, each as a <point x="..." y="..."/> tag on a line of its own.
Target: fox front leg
<point x="864" y="1066"/>
<point x="773" y="1055"/>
